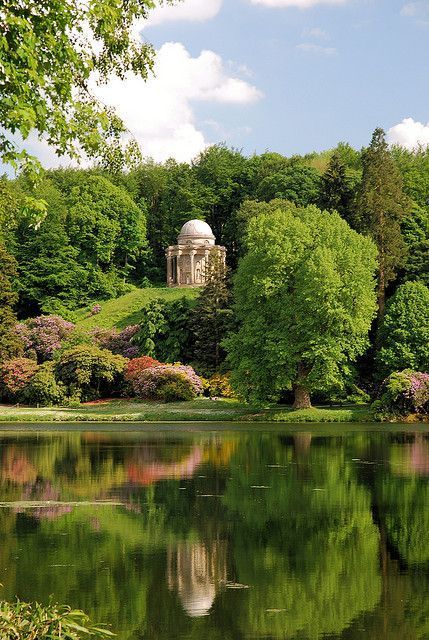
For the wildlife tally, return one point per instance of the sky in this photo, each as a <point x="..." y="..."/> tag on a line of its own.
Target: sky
<point x="291" y="76"/>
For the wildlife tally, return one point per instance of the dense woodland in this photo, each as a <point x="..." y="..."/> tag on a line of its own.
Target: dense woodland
<point x="79" y="237"/>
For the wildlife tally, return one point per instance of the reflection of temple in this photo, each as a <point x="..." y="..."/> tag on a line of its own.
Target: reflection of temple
<point x="196" y="572"/>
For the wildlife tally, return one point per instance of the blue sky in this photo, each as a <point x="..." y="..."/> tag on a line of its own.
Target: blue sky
<point x="291" y="79"/>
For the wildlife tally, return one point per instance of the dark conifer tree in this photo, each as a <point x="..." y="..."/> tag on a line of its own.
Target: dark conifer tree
<point x="10" y="343"/>
<point x="336" y="191"/>
<point x="212" y="317"/>
<point x="381" y="206"/>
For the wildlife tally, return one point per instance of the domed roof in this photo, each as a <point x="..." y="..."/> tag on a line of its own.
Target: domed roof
<point x="196" y="229"/>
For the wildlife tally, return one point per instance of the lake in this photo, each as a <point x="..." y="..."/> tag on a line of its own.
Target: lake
<point x="221" y="532"/>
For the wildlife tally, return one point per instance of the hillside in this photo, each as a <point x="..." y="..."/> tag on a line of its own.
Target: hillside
<point x="125" y="310"/>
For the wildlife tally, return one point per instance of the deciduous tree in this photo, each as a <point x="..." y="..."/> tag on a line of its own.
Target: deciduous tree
<point x="404" y="333"/>
<point x="50" y="51"/>
<point x="305" y="299"/>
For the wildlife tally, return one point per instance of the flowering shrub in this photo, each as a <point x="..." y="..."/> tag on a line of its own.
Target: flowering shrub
<point x="219" y="385"/>
<point x="136" y="366"/>
<point x="90" y="372"/>
<point x="402" y="393"/>
<point x="95" y="309"/>
<point x="119" y="342"/>
<point x="14" y="376"/>
<point x="43" y="335"/>
<point x="167" y="383"/>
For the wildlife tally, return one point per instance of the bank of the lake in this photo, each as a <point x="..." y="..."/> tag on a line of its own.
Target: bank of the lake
<point x="196" y="410"/>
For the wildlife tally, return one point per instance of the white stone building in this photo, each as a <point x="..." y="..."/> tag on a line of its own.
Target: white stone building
<point x="188" y="260"/>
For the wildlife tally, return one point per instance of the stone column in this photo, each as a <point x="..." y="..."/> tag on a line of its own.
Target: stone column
<point x="206" y="264"/>
<point x="192" y="254"/>
<point x="179" y="253"/>
<point x="169" y="269"/>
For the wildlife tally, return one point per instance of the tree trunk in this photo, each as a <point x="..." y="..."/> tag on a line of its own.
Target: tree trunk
<point x="381" y="294"/>
<point x="302" y="397"/>
<point x="301" y="390"/>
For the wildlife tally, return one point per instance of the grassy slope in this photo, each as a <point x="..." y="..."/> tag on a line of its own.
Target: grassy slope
<point x="126" y="310"/>
<point x="197" y="410"/>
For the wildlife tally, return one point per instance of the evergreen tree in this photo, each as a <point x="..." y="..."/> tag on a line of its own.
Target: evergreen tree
<point x="10" y="343"/>
<point x="336" y="191"/>
<point x="381" y="206"/>
<point x="212" y="316"/>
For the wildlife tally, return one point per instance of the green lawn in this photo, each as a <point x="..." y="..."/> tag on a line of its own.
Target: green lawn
<point x="125" y="310"/>
<point x="197" y="410"/>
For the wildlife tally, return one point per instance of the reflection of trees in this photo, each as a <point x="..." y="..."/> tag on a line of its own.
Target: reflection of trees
<point x="307" y="549"/>
<point x="144" y="471"/>
<point x="402" y="499"/>
<point x="302" y="538"/>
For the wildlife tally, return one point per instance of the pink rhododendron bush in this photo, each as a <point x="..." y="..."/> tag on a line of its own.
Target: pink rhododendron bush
<point x="167" y="383"/>
<point x="15" y="374"/>
<point x="136" y="366"/>
<point x="403" y="393"/>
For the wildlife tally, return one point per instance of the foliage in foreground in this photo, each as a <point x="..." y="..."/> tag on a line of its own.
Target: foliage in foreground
<point x="33" y="621"/>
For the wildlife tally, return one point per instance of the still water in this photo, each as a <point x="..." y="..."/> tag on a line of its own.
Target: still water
<point x="222" y="535"/>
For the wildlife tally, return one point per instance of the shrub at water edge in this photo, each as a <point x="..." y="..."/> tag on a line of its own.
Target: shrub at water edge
<point x="43" y="389"/>
<point x="167" y="383"/>
<point x="14" y="376"/>
<point x="403" y="393"/>
<point x="90" y="372"/>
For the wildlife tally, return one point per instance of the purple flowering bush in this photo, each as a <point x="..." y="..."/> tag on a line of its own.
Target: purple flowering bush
<point x="95" y="309"/>
<point x="403" y="393"/>
<point x="168" y="383"/>
<point x="118" y="342"/>
<point x="42" y="336"/>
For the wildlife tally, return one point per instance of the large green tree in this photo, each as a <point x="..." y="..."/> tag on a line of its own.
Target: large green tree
<point x="404" y="332"/>
<point x="225" y="175"/>
<point x="381" y="206"/>
<point x="297" y="183"/>
<point x="305" y="299"/>
<point x="51" y="51"/>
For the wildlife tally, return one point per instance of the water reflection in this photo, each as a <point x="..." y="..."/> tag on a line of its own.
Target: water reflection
<point x="222" y="536"/>
<point x="197" y="572"/>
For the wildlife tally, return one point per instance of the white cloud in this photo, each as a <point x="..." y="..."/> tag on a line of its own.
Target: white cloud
<point x="310" y="47"/>
<point x="409" y="134"/>
<point x="415" y="9"/>
<point x="300" y="4"/>
<point x="315" y="32"/>
<point x="187" y="10"/>
<point x="159" y="112"/>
